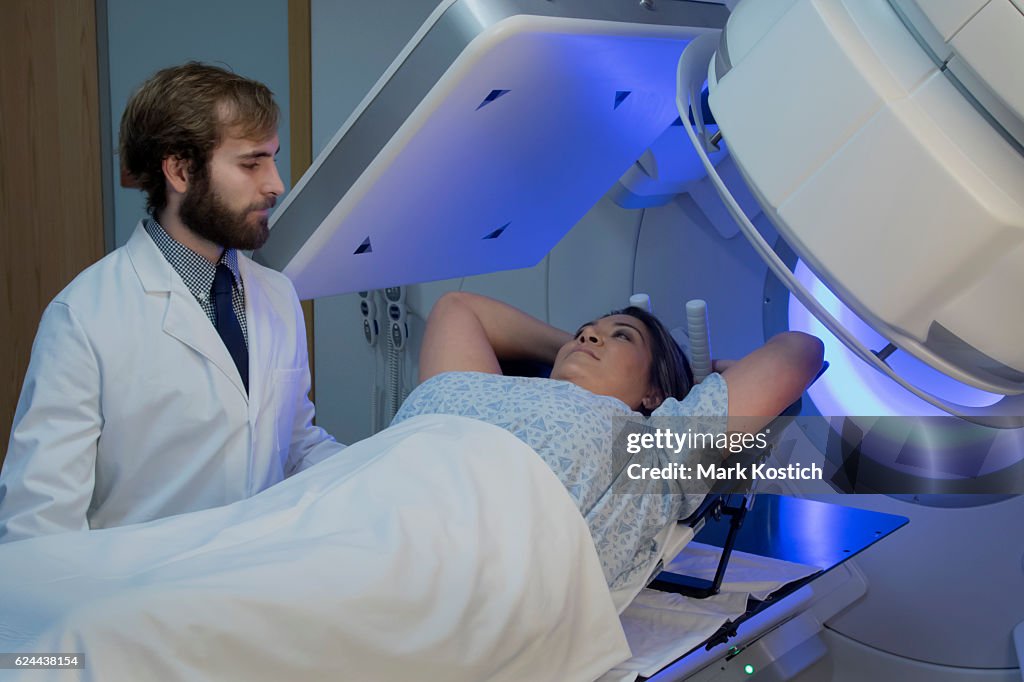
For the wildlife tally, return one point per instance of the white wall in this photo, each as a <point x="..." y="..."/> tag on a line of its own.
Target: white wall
<point x="143" y="36"/>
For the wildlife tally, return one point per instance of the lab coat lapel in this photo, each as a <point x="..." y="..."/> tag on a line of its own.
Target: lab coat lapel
<point x="260" y="339"/>
<point x="184" y="319"/>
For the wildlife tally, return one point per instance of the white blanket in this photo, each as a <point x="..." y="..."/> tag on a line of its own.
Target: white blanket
<point x="661" y="626"/>
<point x="442" y="548"/>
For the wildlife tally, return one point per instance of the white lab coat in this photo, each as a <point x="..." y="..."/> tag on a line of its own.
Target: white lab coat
<point x="132" y="408"/>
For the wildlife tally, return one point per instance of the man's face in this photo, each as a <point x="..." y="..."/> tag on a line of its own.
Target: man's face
<point x="229" y="201"/>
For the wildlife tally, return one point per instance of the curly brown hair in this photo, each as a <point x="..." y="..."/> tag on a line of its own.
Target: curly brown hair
<point x="184" y="112"/>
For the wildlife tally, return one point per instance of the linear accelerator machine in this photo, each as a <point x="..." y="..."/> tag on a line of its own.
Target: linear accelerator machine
<point x="871" y="151"/>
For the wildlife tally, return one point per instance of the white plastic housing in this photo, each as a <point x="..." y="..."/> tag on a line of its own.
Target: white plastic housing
<point x="892" y="185"/>
<point x="523" y="133"/>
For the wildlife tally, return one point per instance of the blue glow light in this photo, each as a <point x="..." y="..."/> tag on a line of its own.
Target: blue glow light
<point x="851" y="387"/>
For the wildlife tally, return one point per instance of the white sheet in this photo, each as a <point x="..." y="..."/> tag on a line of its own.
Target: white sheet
<point x="442" y="548"/>
<point x="662" y="626"/>
<point x="671" y="540"/>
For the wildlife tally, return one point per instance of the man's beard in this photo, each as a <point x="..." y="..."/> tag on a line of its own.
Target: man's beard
<point x="203" y="212"/>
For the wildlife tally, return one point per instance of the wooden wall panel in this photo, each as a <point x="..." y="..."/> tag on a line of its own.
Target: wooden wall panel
<point x="51" y="223"/>
<point x="300" y="94"/>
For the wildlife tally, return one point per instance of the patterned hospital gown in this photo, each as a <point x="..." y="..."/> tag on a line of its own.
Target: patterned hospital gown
<point x="572" y="430"/>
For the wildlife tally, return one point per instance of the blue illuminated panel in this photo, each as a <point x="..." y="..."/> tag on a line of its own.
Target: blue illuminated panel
<point x="851" y="387"/>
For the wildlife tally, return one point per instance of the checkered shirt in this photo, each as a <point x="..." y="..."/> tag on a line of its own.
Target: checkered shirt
<point x="198" y="273"/>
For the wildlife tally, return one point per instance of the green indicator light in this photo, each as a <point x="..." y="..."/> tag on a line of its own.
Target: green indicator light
<point x="748" y="669"/>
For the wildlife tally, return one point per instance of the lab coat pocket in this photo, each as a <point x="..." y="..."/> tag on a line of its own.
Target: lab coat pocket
<point x="286" y="390"/>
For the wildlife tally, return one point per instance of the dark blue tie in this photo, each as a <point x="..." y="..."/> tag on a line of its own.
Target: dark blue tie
<point x="227" y="324"/>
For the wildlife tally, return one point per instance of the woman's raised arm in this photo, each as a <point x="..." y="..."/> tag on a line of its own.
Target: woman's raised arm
<point x="764" y="383"/>
<point x="470" y="333"/>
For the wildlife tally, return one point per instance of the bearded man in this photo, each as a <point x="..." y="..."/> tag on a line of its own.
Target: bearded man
<point x="172" y="375"/>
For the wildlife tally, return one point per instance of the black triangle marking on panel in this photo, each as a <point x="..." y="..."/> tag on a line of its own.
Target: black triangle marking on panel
<point x="493" y="95"/>
<point x="365" y="247"/>
<point x="620" y="97"/>
<point x="497" y="233"/>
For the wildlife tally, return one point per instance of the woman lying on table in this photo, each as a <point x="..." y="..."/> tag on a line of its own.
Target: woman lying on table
<point x="621" y="365"/>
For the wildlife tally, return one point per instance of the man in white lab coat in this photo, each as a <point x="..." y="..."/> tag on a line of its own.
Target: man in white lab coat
<point x="172" y="375"/>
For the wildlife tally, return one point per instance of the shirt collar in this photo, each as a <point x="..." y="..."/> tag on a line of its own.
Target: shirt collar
<point x="194" y="270"/>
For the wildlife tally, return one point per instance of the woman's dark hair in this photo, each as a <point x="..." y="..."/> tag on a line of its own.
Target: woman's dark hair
<point x="671" y="374"/>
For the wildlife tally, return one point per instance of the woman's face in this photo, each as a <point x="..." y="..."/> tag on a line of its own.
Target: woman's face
<point x="611" y="356"/>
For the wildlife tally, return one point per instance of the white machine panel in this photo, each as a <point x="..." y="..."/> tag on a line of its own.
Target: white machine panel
<point x="527" y="127"/>
<point x="998" y="23"/>
<point x="948" y="16"/>
<point x="880" y="172"/>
